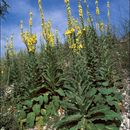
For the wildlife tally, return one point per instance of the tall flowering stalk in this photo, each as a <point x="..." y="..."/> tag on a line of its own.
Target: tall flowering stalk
<point x="89" y="18"/>
<point x="108" y="14"/>
<point x="68" y="13"/>
<point x="80" y="9"/>
<point x="28" y="37"/>
<point x="46" y="28"/>
<point x="97" y="15"/>
<point x="10" y="46"/>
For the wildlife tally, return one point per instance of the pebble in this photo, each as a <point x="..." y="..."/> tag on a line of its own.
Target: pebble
<point x="125" y="125"/>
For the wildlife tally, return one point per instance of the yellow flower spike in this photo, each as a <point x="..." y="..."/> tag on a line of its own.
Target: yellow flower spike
<point x="80" y="13"/>
<point x="97" y="11"/>
<point x="101" y="26"/>
<point x="21" y="26"/>
<point x="30" y="20"/>
<point x="89" y="19"/>
<point x="108" y="8"/>
<point x="108" y="4"/>
<point x="96" y="2"/>
<point x="7" y="43"/>
<point x="80" y="9"/>
<point x="66" y="1"/>
<point x="41" y="13"/>
<point x="108" y="15"/>
<point x="11" y="41"/>
<point x="97" y="8"/>
<point x="68" y="13"/>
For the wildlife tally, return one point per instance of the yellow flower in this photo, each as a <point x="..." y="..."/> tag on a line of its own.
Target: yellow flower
<point x="70" y="31"/>
<point x="80" y="46"/>
<point x="79" y="32"/>
<point x="97" y="11"/>
<point x="73" y="46"/>
<point x="96" y="2"/>
<point x="101" y="26"/>
<point x="66" y="1"/>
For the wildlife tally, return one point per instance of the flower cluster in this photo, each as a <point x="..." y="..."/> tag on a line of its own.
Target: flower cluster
<point x="28" y="38"/>
<point x="76" y="47"/>
<point x="70" y="31"/>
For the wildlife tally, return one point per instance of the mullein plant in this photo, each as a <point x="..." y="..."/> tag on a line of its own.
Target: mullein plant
<point x="74" y="32"/>
<point x="46" y="28"/>
<point x="28" y="37"/>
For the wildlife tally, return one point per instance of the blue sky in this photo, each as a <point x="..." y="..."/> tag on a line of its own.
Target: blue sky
<point x="54" y="10"/>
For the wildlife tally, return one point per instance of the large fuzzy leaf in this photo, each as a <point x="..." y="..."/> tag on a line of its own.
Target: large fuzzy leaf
<point x="68" y="119"/>
<point x="41" y="99"/>
<point x="45" y="98"/>
<point x="36" y="109"/>
<point x="30" y="119"/>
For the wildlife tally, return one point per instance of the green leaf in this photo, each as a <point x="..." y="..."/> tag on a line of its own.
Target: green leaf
<point x="41" y="99"/>
<point x="100" y="126"/>
<point x="19" y="106"/>
<point x="68" y="119"/>
<point x="111" y="127"/>
<point x="22" y="114"/>
<point x="98" y="109"/>
<point x="36" y="109"/>
<point x="90" y="126"/>
<point x="111" y="115"/>
<point x="28" y="103"/>
<point x="107" y="91"/>
<point x="60" y="92"/>
<point x="45" y="98"/>
<point x="105" y="84"/>
<point x="30" y="119"/>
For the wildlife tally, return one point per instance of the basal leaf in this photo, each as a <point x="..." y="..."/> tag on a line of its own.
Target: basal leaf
<point x="68" y="119"/>
<point x="36" y="109"/>
<point x="30" y="119"/>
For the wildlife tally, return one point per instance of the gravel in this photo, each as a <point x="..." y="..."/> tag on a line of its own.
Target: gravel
<point x="125" y="125"/>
